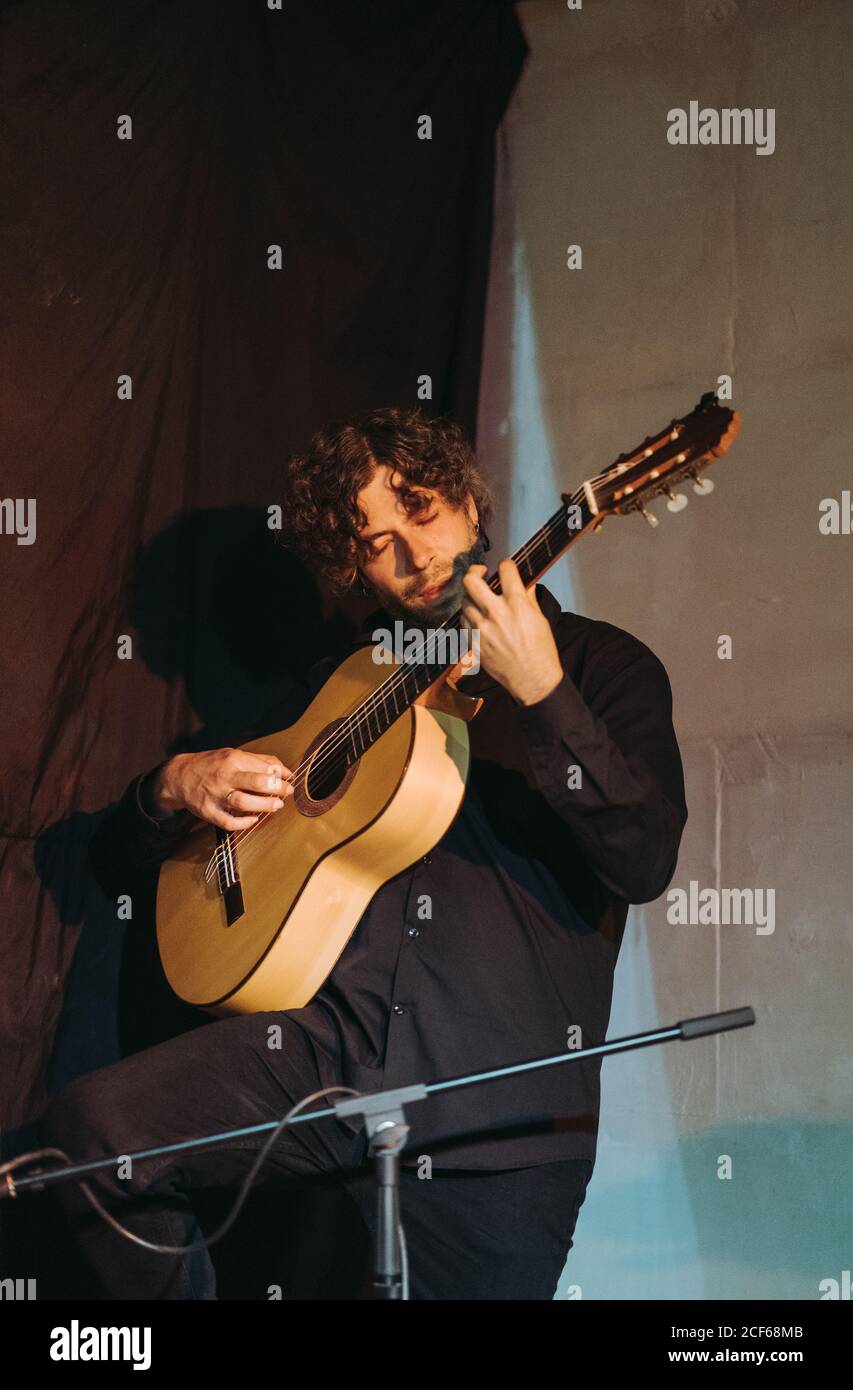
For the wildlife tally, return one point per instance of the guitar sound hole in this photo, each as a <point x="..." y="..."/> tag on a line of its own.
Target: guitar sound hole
<point x="324" y="777"/>
<point x="327" y="778"/>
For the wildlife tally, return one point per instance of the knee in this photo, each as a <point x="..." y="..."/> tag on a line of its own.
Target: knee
<point x="96" y="1117"/>
<point x="84" y="1122"/>
<point x="74" y="1119"/>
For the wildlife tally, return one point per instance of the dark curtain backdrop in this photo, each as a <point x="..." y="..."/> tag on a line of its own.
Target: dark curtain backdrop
<point x="147" y="257"/>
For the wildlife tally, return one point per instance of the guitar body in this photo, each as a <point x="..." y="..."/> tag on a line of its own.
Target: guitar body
<point x="306" y="873"/>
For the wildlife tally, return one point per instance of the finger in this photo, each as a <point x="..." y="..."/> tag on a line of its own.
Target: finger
<point x="479" y="572"/>
<point x="243" y="803"/>
<point x="512" y="585"/>
<point x="259" y="764"/>
<point x="472" y="616"/>
<point x="226" y="822"/>
<point x="477" y="589"/>
<point x="264" y="783"/>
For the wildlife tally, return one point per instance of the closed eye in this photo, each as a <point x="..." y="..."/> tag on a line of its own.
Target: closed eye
<point x="380" y="549"/>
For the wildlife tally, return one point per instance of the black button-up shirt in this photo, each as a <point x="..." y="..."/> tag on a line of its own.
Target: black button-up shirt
<point x="500" y="944"/>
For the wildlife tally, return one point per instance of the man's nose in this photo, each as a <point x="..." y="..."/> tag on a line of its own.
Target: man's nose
<point x="418" y="552"/>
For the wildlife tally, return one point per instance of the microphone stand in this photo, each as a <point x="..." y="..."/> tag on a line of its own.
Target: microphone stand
<point x="386" y="1125"/>
<point x="387" y="1132"/>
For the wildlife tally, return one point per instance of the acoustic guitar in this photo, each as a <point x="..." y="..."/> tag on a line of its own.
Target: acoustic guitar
<point x="255" y="919"/>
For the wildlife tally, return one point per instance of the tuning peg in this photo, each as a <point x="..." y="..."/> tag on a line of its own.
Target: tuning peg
<point x="677" y="501"/>
<point x="648" y="516"/>
<point x="702" y="485"/>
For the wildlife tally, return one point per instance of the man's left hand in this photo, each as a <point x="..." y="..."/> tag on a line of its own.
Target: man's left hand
<point x="517" y="645"/>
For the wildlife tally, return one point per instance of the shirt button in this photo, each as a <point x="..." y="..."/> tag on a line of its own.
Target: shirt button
<point x="427" y="859"/>
<point x="398" y="1009"/>
<point x="413" y="931"/>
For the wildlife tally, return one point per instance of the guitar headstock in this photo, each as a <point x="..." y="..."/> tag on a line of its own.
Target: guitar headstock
<point x="680" y="451"/>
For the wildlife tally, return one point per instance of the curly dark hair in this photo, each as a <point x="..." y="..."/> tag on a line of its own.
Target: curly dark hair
<point x="321" y="518"/>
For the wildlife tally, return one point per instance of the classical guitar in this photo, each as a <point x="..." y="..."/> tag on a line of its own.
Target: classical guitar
<point x="256" y="919"/>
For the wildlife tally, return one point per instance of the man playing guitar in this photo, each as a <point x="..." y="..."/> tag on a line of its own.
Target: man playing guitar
<point x="497" y="946"/>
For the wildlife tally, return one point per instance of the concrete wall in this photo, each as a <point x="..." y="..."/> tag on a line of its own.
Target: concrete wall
<point x="698" y="261"/>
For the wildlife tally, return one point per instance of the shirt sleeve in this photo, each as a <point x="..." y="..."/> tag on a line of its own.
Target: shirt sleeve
<point x="628" y="811"/>
<point x="132" y="839"/>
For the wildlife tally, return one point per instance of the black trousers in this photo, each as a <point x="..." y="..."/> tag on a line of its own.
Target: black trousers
<point x="470" y="1234"/>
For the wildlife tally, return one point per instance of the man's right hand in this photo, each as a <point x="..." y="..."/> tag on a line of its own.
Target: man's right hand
<point x="227" y="787"/>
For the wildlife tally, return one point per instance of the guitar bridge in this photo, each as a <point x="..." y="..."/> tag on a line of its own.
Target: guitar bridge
<point x="228" y="873"/>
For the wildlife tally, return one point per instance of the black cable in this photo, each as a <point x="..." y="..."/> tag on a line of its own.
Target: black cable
<point x="230" y="1219"/>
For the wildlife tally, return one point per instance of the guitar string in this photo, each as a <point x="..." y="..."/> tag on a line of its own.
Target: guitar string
<point x="399" y="678"/>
